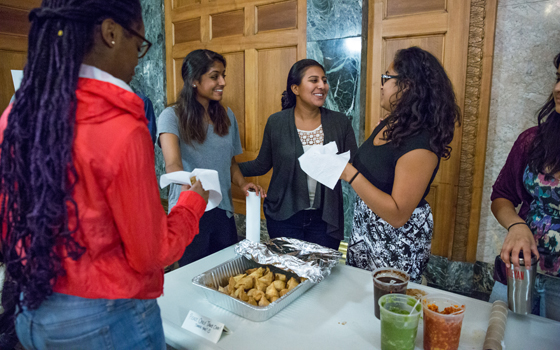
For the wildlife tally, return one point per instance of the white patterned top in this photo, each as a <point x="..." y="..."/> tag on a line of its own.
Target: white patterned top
<point x="309" y="139"/>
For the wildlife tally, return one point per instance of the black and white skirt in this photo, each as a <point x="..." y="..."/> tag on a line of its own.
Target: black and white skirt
<point x="375" y="243"/>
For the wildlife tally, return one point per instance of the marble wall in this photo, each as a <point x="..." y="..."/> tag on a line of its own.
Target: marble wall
<point x="526" y="42"/>
<point x="150" y="77"/>
<point x="334" y="30"/>
<point x="474" y="280"/>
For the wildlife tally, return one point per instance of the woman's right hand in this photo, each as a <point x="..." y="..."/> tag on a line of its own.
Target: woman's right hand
<point x="197" y="187"/>
<point x="519" y="239"/>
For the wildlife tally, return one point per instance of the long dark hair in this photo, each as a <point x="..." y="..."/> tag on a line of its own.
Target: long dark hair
<point x="37" y="172"/>
<point x="296" y="74"/>
<point x="544" y="151"/>
<point x="425" y="100"/>
<point x="191" y="113"/>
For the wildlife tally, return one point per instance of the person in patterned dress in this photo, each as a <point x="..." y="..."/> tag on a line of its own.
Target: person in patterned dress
<point x="394" y="168"/>
<point x="531" y="177"/>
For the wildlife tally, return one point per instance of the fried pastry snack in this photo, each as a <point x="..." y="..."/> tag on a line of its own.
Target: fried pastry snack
<point x="258" y="286"/>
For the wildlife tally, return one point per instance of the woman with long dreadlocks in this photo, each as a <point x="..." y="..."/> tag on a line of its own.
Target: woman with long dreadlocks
<point x="83" y="233"/>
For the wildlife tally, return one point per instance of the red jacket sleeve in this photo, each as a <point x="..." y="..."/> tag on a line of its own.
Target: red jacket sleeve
<point x="3" y="125"/>
<point x="4" y="122"/>
<point x="151" y="239"/>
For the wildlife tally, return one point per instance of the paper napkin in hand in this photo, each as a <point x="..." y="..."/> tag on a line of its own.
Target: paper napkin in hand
<point x="323" y="164"/>
<point x="208" y="178"/>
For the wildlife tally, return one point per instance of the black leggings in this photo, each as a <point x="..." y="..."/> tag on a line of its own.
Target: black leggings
<point x="216" y="232"/>
<point x="306" y="225"/>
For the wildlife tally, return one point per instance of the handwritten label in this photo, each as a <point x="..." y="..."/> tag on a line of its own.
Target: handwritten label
<point x="203" y="326"/>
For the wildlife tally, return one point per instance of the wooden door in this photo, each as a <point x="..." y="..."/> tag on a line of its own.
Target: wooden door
<point x="260" y="40"/>
<point x="442" y="28"/>
<point x="14" y="27"/>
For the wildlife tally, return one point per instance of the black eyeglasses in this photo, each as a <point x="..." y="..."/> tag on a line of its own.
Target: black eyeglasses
<point x="146" y="45"/>
<point x="385" y="77"/>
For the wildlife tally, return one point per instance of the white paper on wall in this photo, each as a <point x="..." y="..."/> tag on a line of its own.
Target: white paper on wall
<point x="17" y="77"/>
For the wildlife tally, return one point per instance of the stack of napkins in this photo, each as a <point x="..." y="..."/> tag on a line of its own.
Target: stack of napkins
<point x="208" y="178"/>
<point x="323" y="164"/>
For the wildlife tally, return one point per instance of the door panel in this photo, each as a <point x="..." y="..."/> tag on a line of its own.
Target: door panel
<point x="407" y="7"/>
<point x="14" y="27"/>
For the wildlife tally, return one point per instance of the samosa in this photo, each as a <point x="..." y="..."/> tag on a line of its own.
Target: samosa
<point x="279" y="285"/>
<point x="292" y="283"/>
<point x="263" y="302"/>
<point x="271" y="292"/>
<point x="245" y="282"/>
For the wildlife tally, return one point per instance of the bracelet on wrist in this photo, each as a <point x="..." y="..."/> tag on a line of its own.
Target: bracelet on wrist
<point x="517" y="223"/>
<point x="353" y="177"/>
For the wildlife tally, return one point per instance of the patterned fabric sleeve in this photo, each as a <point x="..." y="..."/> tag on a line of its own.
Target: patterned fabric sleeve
<point x="509" y="184"/>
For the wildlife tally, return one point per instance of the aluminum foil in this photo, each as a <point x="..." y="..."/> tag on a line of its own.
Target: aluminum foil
<point x="305" y="259"/>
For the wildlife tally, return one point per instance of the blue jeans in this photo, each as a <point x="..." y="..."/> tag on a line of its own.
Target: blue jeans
<point x="546" y="296"/>
<point x="69" y="322"/>
<point x="306" y="225"/>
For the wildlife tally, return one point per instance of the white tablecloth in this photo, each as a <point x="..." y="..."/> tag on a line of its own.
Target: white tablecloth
<point x="335" y="314"/>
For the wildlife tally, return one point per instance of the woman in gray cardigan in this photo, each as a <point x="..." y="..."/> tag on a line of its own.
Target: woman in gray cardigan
<point x="296" y="205"/>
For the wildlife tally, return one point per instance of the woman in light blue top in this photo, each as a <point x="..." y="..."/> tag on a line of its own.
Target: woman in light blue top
<point x="198" y="132"/>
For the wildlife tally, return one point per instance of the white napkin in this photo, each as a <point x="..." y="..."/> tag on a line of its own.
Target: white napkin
<point x="208" y="178"/>
<point x="323" y="164"/>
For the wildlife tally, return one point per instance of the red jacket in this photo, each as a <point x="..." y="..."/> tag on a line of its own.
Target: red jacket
<point x="127" y="236"/>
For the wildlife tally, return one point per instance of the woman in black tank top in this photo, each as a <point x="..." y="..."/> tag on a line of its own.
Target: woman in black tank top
<point x="394" y="168"/>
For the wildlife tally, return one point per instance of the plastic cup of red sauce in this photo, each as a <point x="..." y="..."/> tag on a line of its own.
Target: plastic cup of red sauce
<point x="443" y="320"/>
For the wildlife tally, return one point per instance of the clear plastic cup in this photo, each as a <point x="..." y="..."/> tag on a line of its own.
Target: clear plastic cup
<point x="442" y="331"/>
<point x="387" y="280"/>
<point x="399" y="321"/>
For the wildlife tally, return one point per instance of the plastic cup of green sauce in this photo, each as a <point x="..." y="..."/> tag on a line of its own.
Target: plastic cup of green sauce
<point x="399" y="321"/>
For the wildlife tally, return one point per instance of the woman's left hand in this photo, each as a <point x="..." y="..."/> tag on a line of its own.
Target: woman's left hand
<point x="258" y="189"/>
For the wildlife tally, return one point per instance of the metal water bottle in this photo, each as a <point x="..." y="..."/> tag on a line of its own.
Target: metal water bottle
<point x="520" y="283"/>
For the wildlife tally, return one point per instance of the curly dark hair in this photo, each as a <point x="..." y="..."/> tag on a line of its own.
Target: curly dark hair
<point x="425" y="100"/>
<point x="37" y="171"/>
<point x="544" y="151"/>
<point x="191" y="113"/>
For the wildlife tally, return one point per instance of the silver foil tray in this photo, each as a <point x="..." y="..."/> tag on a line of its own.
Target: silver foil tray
<point x="219" y="275"/>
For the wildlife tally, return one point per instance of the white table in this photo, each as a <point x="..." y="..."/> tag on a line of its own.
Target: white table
<point x="335" y="314"/>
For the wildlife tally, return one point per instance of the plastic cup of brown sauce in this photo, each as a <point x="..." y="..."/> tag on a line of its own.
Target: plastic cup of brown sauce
<point x="387" y="280"/>
<point x="443" y="319"/>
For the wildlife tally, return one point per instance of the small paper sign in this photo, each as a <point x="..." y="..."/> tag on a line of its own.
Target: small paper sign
<point x="204" y="327"/>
